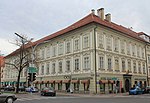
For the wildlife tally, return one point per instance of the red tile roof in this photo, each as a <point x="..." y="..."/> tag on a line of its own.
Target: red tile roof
<point x="91" y="18"/>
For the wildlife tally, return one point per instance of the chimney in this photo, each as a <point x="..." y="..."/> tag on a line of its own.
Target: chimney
<point x="100" y="13"/>
<point x="93" y="11"/>
<point x="108" y="17"/>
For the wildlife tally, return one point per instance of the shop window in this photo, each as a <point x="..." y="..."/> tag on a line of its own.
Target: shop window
<point x="102" y="88"/>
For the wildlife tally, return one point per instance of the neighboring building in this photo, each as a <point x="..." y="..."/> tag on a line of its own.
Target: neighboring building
<point x="91" y="55"/>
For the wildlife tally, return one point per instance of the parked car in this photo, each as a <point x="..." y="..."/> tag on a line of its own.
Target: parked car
<point x="136" y="91"/>
<point x="147" y="89"/>
<point x="48" y="91"/>
<point x="32" y="89"/>
<point x="9" y="88"/>
<point x="22" y="88"/>
<point x="7" y="98"/>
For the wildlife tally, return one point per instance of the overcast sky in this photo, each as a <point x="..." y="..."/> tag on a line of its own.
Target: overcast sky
<point x="39" y="18"/>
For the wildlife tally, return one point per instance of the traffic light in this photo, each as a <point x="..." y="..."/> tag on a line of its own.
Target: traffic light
<point x="30" y="77"/>
<point x="34" y="76"/>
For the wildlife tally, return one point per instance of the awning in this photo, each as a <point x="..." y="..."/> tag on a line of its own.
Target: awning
<point x="52" y="81"/>
<point x="66" y="81"/>
<point x="74" y="81"/>
<point x="46" y="82"/>
<point x="41" y="82"/>
<point x="35" y="82"/>
<point x="58" y="81"/>
<point x="103" y="81"/>
<point x="85" y="81"/>
<point x="111" y="81"/>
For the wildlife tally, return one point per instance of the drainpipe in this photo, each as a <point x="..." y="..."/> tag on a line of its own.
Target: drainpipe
<point x="95" y="76"/>
<point x="146" y="64"/>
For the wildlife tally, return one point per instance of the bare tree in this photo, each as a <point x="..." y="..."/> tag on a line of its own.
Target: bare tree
<point x="21" y="57"/>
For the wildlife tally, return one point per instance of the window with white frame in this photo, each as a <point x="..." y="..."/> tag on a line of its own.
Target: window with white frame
<point x="68" y="47"/>
<point x="144" y="71"/>
<point x="101" y="62"/>
<point x="53" y="68"/>
<point x="68" y="65"/>
<point x="42" y="70"/>
<point x="109" y="64"/>
<point x="76" y="44"/>
<point x="54" y="50"/>
<point x="60" y="66"/>
<point x="85" y="41"/>
<point x="42" y="54"/>
<point x="139" y="67"/>
<point x="116" y="64"/>
<point x="129" y="65"/>
<point x="123" y="65"/>
<point x="47" y="68"/>
<point x="122" y="46"/>
<point x="143" y="52"/>
<point x="60" y="48"/>
<point x="138" y="51"/>
<point x="108" y="42"/>
<point x="77" y="64"/>
<point x="116" y="45"/>
<point x="48" y="52"/>
<point x="133" y="49"/>
<point x="101" y="40"/>
<point x="128" y="48"/>
<point x="86" y="62"/>
<point x="134" y="67"/>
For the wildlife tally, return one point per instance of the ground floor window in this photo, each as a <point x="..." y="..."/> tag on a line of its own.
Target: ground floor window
<point x="59" y="86"/>
<point x="76" y="86"/>
<point x="53" y="85"/>
<point x="86" y="86"/>
<point x="102" y="88"/>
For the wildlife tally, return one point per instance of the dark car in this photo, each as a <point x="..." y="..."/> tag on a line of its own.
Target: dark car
<point x="7" y="98"/>
<point x="49" y="91"/>
<point x="9" y="88"/>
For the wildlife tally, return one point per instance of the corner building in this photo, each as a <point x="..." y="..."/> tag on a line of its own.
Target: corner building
<point x="91" y="56"/>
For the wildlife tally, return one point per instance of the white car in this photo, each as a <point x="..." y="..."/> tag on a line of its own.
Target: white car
<point x="7" y="98"/>
<point x="31" y="89"/>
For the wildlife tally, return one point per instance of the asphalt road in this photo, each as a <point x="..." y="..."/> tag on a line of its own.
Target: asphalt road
<point x="88" y="99"/>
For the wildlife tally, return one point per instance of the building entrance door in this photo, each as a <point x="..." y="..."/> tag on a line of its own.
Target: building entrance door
<point x="127" y="85"/>
<point x="127" y="82"/>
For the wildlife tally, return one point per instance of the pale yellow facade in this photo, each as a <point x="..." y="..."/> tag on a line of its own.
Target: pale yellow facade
<point x="69" y="61"/>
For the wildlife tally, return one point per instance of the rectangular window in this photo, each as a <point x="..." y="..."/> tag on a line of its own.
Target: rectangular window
<point x="68" y="65"/>
<point x="60" y="67"/>
<point x="133" y="50"/>
<point x="76" y="44"/>
<point x="101" y="62"/>
<point x="116" y="45"/>
<point x="86" y="41"/>
<point x="60" y="49"/>
<point x="134" y="67"/>
<point x="54" y="50"/>
<point x="42" y="55"/>
<point x="122" y="46"/>
<point x="68" y="47"/>
<point x="48" y="52"/>
<point x="129" y="65"/>
<point x="116" y="64"/>
<point x="123" y="65"/>
<point x="139" y="67"/>
<point x="42" y="70"/>
<point x="86" y="63"/>
<point x="47" y="68"/>
<point x="144" y="71"/>
<point x="76" y="64"/>
<point x="109" y="64"/>
<point x="53" y="68"/>
<point x="101" y="40"/>
<point x="108" y="43"/>
<point x="128" y="48"/>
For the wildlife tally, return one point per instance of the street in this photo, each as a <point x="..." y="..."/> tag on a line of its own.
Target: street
<point x="85" y="99"/>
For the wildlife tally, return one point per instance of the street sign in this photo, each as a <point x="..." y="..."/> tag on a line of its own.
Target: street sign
<point x="32" y="70"/>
